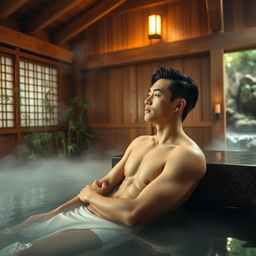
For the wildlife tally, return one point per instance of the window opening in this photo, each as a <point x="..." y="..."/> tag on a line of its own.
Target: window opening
<point x="240" y="87"/>
<point x="38" y="94"/>
<point x="6" y="92"/>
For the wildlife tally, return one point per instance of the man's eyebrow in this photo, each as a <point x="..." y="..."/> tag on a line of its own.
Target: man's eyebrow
<point x="156" y="89"/>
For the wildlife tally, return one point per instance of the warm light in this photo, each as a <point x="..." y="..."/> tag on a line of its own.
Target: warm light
<point x="154" y="26"/>
<point x="217" y="110"/>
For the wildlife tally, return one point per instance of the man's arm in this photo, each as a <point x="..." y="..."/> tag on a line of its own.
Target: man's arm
<point x="169" y="190"/>
<point x="116" y="175"/>
<point x="102" y="187"/>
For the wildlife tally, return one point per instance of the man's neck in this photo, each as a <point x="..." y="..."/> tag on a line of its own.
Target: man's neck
<point x="169" y="133"/>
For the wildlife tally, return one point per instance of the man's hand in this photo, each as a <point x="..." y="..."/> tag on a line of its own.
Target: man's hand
<point x="97" y="187"/>
<point x="85" y="193"/>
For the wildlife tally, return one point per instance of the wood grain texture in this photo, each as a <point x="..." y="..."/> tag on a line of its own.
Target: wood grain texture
<point x="113" y="141"/>
<point x="126" y="30"/>
<point x="50" y="14"/>
<point x="125" y="90"/>
<point x="217" y="93"/>
<point x="215" y="15"/>
<point x="23" y="41"/>
<point x="85" y="20"/>
<point x="132" y="5"/>
<point x="7" y="144"/>
<point x="232" y="40"/>
<point x="10" y="6"/>
<point x="239" y="14"/>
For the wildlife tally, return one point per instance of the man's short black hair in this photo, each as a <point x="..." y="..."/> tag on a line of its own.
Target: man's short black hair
<point x="181" y="86"/>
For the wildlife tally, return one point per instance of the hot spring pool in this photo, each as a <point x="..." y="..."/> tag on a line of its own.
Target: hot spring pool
<point x="190" y="231"/>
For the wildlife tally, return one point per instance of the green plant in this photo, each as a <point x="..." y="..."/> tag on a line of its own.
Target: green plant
<point x="69" y="142"/>
<point x="38" y="145"/>
<point x="242" y="61"/>
<point x="77" y="137"/>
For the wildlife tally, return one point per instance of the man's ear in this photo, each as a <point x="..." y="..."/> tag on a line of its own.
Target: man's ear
<point x="180" y="104"/>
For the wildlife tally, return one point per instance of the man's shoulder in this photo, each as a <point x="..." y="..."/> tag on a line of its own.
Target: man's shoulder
<point x="190" y="156"/>
<point x="140" y="139"/>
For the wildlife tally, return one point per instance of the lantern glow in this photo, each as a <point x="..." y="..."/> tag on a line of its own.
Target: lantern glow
<point x="154" y="26"/>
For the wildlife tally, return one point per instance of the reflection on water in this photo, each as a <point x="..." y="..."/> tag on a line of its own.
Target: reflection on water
<point x="197" y="232"/>
<point x="41" y="185"/>
<point x="239" y="247"/>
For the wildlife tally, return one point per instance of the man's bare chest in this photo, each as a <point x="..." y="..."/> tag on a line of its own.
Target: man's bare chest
<point x="146" y="163"/>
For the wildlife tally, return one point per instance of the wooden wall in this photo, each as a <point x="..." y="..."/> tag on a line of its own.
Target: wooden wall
<point x="116" y="101"/>
<point x="181" y="19"/>
<point x="128" y="30"/>
<point x="116" y="92"/>
<point x="116" y="85"/>
<point x="239" y="14"/>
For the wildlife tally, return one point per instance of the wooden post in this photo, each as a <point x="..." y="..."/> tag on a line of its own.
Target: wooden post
<point x="218" y="95"/>
<point x="19" y="139"/>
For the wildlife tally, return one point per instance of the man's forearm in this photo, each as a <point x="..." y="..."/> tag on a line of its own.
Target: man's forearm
<point x="114" y="209"/>
<point x="74" y="202"/>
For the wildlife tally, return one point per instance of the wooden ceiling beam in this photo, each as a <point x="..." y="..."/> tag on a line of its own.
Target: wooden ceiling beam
<point x="229" y="41"/>
<point x="85" y="20"/>
<point x="50" y="14"/>
<point x="23" y="41"/>
<point x="142" y="4"/>
<point x="10" y="6"/>
<point x="215" y="15"/>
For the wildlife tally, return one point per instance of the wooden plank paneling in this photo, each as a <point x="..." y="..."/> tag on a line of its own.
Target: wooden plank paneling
<point x="132" y="5"/>
<point x="192" y="68"/>
<point x="48" y="15"/>
<point x="115" y="141"/>
<point x="115" y="95"/>
<point x="67" y="86"/>
<point x="85" y="20"/>
<point x="127" y="90"/>
<point x="101" y="92"/>
<point x="180" y="20"/>
<point x="205" y="93"/>
<point x="7" y="145"/>
<point x="239" y="14"/>
<point x="129" y="95"/>
<point x="217" y="93"/>
<point x="232" y="40"/>
<point x="143" y="77"/>
<point x="10" y="6"/>
<point x="202" y="136"/>
<point x="89" y="93"/>
<point x="215" y="15"/>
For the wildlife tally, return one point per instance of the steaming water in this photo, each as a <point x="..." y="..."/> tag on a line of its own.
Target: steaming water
<point x="38" y="186"/>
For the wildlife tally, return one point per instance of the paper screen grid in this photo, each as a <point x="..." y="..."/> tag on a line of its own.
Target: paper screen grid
<point x="38" y="94"/>
<point x="6" y="92"/>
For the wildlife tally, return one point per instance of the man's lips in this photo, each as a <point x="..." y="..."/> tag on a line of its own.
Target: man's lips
<point x="147" y="110"/>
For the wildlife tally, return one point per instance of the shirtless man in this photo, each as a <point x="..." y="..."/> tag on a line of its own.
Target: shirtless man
<point x="155" y="175"/>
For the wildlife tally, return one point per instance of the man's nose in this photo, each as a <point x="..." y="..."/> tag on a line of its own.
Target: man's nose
<point x="148" y="101"/>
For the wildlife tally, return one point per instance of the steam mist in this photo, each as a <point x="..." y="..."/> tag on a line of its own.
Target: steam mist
<point x="40" y="185"/>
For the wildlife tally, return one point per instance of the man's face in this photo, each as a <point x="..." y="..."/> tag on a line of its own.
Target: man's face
<point x="158" y="107"/>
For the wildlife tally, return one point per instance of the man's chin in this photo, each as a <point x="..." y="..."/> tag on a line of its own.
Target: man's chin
<point x="148" y="119"/>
